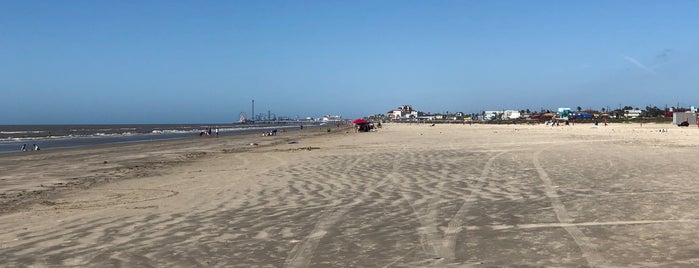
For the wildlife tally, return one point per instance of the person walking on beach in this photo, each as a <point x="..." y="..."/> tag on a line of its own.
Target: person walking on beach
<point x="24" y="148"/>
<point x="36" y="147"/>
<point x="216" y="132"/>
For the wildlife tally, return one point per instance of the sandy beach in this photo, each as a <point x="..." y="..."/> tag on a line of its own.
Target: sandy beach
<point x="408" y="195"/>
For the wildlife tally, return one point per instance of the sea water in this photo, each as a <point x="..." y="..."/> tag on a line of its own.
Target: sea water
<point x="47" y="137"/>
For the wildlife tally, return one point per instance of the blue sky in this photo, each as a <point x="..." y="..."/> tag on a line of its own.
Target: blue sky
<point x="203" y="61"/>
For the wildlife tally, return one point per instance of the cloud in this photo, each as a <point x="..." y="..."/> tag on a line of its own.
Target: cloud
<point x="638" y="64"/>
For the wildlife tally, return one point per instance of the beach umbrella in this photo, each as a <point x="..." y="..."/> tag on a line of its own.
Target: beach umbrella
<point x="359" y="121"/>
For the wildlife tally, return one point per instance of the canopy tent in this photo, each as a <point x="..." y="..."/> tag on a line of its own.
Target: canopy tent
<point x="359" y="121"/>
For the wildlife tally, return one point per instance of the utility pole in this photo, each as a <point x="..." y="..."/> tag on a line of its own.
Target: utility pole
<point x="253" y="111"/>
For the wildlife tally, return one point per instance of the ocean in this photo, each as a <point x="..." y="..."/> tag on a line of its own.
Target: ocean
<point x="47" y="137"/>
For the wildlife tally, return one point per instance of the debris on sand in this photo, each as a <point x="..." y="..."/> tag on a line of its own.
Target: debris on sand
<point x="305" y="148"/>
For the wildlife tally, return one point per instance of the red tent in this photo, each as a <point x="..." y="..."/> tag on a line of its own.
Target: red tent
<point x="359" y="121"/>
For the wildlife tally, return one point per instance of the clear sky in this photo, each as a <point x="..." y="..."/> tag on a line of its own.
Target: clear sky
<point x="204" y="61"/>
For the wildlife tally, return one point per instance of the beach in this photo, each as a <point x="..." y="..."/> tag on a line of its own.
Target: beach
<point x="407" y="195"/>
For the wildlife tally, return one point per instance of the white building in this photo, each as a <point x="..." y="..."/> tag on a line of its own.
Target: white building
<point x="511" y="114"/>
<point x="632" y="113"/>
<point x="403" y="112"/>
<point x="491" y="115"/>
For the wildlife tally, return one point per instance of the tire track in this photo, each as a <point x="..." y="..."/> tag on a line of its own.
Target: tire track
<point x="609" y="223"/>
<point x="443" y="244"/>
<point x="302" y="254"/>
<point x="588" y="248"/>
<point x="448" y="245"/>
<point x="428" y="231"/>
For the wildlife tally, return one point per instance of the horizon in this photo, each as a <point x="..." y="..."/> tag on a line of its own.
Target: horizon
<point x="163" y="62"/>
<point x="276" y="117"/>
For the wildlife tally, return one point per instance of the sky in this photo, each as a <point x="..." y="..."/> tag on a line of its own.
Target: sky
<point x="110" y="62"/>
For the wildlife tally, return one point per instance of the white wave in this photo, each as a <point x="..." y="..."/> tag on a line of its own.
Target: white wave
<point x="10" y="139"/>
<point x="23" y="132"/>
<point x="69" y="136"/>
<point x="172" y="131"/>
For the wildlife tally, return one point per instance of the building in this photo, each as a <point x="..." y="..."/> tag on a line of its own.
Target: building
<point x="492" y="115"/>
<point x="404" y="112"/>
<point x="511" y="115"/>
<point x="632" y="113"/>
<point x="564" y="113"/>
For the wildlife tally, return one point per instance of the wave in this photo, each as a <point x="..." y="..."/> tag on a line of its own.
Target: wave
<point x="24" y="132"/>
<point x="69" y="136"/>
<point x="173" y="131"/>
<point x="110" y="134"/>
<point x="23" y="139"/>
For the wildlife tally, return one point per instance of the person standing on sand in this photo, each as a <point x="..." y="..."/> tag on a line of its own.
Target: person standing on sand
<point x="24" y="148"/>
<point x="216" y="132"/>
<point x="36" y="147"/>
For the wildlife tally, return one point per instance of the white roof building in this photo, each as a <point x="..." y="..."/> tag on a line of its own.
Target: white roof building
<point x="511" y="114"/>
<point x="403" y="112"/>
<point x="632" y="113"/>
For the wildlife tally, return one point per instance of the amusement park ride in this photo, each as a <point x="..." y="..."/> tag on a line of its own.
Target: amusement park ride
<point x="243" y="118"/>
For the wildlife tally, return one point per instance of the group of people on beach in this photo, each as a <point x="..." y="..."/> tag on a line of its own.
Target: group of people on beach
<point x="368" y="127"/>
<point x="272" y="132"/>
<point x="35" y="147"/>
<point x="207" y="132"/>
<point x="555" y="123"/>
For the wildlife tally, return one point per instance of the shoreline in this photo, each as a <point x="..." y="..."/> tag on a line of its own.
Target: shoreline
<point x="115" y="161"/>
<point x="23" y="180"/>
<point x="82" y="136"/>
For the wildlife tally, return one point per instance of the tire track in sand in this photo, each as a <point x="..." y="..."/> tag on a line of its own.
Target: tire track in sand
<point x="448" y="245"/>
<point x="588" y="248"/>
<point x="444" y="246"/>
<point x="428" y="231"/>
<point x="302" y="253"/>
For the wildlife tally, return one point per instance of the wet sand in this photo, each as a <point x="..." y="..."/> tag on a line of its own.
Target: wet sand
<point x="405" y="196"/>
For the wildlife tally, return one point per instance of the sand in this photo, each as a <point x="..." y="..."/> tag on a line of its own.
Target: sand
<point x="405" y="196"/>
